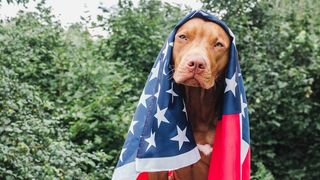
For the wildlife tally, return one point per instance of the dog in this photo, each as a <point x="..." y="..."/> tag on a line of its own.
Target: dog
<point x="200" y="56"/>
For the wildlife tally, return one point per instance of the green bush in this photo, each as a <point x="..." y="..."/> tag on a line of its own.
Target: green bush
<point x="49" y="82"/>
<point x="34" y="143"/>
<point x="66" y="99"/>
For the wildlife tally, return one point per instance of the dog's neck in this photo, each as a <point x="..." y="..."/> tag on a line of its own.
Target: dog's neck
<point x="202" y="107"/>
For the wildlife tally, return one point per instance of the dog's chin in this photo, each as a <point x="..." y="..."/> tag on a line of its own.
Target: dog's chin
<point x="193" y="82"/>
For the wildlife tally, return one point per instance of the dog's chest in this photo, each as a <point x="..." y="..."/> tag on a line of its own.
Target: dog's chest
<point x="204" y="140"/>
<point x="204" y="137"/>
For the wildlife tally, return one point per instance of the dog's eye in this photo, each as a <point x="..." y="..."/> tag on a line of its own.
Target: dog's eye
<point x="218" y="44"/>
<point x="182" y="36"/>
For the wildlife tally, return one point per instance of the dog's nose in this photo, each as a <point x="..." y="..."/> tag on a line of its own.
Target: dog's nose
<point x="197" y="64"/>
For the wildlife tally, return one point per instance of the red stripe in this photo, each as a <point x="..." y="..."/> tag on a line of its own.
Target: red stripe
<point x="143" y="176"/>
<point x="225" y="159"/>
<point x="246" y="167"/>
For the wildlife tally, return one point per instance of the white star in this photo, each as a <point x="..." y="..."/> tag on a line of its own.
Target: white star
<point x="132" y="125"/>
<point x="143" y="98"/>
<point x="155" y="71"/>
<point x="151" y="140"/>
<point x="180" y="137"/>
<point x="121" y="154"/>
<point x="171" y="44"/>
<point x="172" y="92"/>
<point x="185" y="109"/>
<point x="231" y="84"/>
<point x="157" y="93"/>
<point x="243" y="106"/>
<point x="160" y="115"/>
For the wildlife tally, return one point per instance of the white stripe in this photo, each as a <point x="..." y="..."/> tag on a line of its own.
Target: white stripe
<point x="125" y="172"/>
<point x="168" y="163"/>
<point x="244" y="150"/>
<point x="240" y="117"/>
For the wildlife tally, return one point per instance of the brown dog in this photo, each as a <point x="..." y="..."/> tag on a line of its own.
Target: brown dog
<point x="200" y="55"/>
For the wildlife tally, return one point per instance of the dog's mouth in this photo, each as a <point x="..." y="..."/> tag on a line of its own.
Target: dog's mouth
<point x="196" y="81"/>
<point x="191" y="82"/>
<point x="193" y="79"/>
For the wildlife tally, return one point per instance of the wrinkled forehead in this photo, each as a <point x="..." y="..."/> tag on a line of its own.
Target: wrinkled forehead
<point x="199" y="25"/>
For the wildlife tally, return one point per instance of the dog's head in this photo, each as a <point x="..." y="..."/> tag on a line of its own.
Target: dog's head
<point x="200" y="53"/>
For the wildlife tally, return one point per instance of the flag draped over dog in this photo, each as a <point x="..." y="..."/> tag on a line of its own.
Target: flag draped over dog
<point x="160" y="137"/>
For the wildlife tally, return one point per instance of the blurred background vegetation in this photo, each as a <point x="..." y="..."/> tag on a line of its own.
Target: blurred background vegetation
<point x="66" y="98"/>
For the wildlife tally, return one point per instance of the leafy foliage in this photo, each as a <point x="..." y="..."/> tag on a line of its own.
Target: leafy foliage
<point x="66" y="99"/>
<point x="16" y="1"/>
<point x="35" y="144"/>
<point x="44" y="79"/>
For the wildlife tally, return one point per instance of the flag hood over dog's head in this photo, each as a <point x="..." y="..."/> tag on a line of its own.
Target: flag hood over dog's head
<point x="160" y="137"/>
<point x="200" y="53"/>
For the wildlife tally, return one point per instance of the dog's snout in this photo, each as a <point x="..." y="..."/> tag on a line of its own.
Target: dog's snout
<point x="196" y="63"/>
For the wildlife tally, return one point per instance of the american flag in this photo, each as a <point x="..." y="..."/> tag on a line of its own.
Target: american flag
<point x="160" y="136"/>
